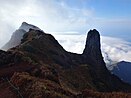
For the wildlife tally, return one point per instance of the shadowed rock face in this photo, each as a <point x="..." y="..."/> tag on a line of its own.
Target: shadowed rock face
<point x="39" y="61"/>
<point x="92" y="55"/>
<point x="123" y="71"/>
<point x="92" y="49"/>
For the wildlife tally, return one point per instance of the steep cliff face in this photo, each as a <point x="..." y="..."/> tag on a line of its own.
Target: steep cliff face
<point x="39" y="67"/>
<point x="92" y="55"/>
<point x="18" y="35"/>
<point x="92" y="49"/>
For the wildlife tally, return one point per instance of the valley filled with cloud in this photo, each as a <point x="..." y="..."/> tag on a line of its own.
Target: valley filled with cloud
<point x="69" y="22"/>
<point x="113" y="49"/>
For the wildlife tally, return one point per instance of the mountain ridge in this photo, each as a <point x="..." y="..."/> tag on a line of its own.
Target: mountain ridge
<point x="122" y="70"/>
<point x="39" y="66"/>
<point x="18" y="34"/>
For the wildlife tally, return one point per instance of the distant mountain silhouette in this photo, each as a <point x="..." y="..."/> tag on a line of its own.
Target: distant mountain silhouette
<point x="123" y="71"/>
<point x="39" y="67"/>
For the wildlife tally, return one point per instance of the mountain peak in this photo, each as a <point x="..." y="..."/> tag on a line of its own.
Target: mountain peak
<point x="92" y="47"/>
<point x="25" y="26"/>
<point x="18" y="35"/>
<point x="92" y="54"/>
<point x="24" y="23"/>
<point x="39" y="61"/>
<point x="93" y="39"/>
<point x="93" y="31"/>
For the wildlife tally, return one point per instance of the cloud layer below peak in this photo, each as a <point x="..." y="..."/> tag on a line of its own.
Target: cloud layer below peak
<point x="113" y="49"/>
<point x="59" y="16"/>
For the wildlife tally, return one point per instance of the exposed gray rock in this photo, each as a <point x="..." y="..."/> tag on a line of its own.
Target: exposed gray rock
<point x="18" y="35"/>
<point x="25" y="26"/>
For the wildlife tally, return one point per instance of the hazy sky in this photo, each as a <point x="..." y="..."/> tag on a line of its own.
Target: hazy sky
<point x="110" y="17"/>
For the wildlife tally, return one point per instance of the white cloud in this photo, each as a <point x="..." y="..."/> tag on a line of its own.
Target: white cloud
<point x="52" y="16"/>
<point x="72" y="43"/>
<point x="116" y="49"/>
<point x="49" y="15"/>
<point x="113" y="49"/>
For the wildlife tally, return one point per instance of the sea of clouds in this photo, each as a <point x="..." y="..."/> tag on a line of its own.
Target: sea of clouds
<point x="113" y="49"/>
<point x="51" y="15"/>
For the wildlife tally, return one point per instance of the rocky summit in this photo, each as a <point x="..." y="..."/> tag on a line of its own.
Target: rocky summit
<point x="39" y="67"/>
<point x="18" y="35"/>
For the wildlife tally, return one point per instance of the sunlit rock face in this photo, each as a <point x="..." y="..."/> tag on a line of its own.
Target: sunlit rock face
<point x="18" y="35"/>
